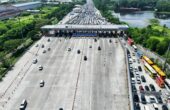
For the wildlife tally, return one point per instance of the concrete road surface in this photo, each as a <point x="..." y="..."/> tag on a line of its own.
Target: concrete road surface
<point x="100" y="83"/>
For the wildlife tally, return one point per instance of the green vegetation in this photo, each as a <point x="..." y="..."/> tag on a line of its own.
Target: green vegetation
<point x="154" y="37"/>
<point x="18" y="33"/>
<point x="106" y="7"/>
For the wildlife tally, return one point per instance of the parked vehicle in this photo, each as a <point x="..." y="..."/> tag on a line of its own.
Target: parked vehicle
<point x="152" y="87"/>
<point x="147" y="88"/>
<point x="69" y="49"/>
<point x="136" y="98"/>
<point x="99" y="48"/>
<point x="137" y="106"/>
<point x="85" y="58"/>
<point x="143" y="99"/>
<point x="78" y="51"/>
<point x="143" y="78"/>
<point x="152" y="99"/>
<point x="164" y="107"/>
<point x="134" y="88"/>
<point x="141" y="88"/>
<point x="139" y="68"/>
<point x="159" y="99"/>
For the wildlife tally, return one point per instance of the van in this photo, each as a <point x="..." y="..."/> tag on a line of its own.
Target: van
<point x="133" y="80"/>
<point x="146" y="107"/>
<point x="23" y="105"/>
<point x="155" y="106"/>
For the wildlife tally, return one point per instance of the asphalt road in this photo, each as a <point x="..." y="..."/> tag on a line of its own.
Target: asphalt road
<point x="100" y="83"/>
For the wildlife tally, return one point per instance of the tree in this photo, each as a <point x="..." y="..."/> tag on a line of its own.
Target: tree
<point x="11" y="45"/>
<point x="151" y="43"/>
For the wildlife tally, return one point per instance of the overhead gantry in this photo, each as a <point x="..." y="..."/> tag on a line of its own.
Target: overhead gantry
<point x="83" y="30"/>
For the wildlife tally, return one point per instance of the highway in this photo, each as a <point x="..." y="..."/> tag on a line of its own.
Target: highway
<point x="72" y="83"/>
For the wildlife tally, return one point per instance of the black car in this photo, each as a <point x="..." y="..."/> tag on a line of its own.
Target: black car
<point x="136" y="106"/>
<point x="136" y="98"/>
<point x="95" y="40"/>
<point x="85" y="58"/>
<point x="147" y="88"/>
<point x="143" y="99"/>
<point x="90" y="46"/>
<point x="110" y="41"/>
<point x="152" y="87"/>
<point x="143" y="78"/>
<point x="159" y="99"/>
<point x="99" y="48"/>
<point x="164" y="107"/>
<point x="131" y="74"/>
<point x="134" y="88"/>
<point x="78" y="51"/>
<point x="139" y="68"/>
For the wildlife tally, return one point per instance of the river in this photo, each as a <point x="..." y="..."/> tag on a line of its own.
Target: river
<point x="140" y="19"/>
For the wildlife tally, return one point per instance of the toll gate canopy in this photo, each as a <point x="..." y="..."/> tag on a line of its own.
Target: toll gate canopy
<point x="82" y="30"/>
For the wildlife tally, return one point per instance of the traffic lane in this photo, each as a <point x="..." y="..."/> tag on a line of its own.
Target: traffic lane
<point x="31" y="81"/>
<point x="100" y="80"/>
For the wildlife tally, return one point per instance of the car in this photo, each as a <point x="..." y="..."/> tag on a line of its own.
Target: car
<point x="141" y="88"/>
<point x="48" y="40"/>
<point x="42" y="46"/>
<point x="137" y="106"/>
<point x="69" y="49"/>
<point x="90" y="46"/>
<point x="164" y="107"/>
<point x="34" y="61"/>
<point x="78" y="51"/>
<point x="159" y="99"/>
<point x="155" y="106"/>
<point x="134" y="60"/>
<point x="139" y="68"/>
<point x="37" y="45"/>
<point x="147" y="88"/>
<point x="49" y="49"/>
<point x="131" y="74"/>
<point x="143" y="78"/>
<point x="134" y="88"/>
<point x="85" y="58"/>
<point x="110" y="41"/>
<point x="131" y="68"/>
<point x="40" y="67"/>
<point x="129" y="56"/>
<point x="99" y="48"/>
<point x="133" y="54"/>
<point x="152" y="87"/>
<point x="136" y="69"/>
<point x="138" y="80"/>
<point x="136" y="98"/>
<point x="42" y="83"/>
<point x="138" y="61"/>
<point x="44" y="51"/>
<point x="95" y="40"/>
<point x="23" y="105"/>
<point x="61" y="109"/>
<point x="137" y="74"/>
<point x="115" y="41"/>
<point x="133" y="80"/>
<point x="143" y="99"/>
<point x="152" y="99"/>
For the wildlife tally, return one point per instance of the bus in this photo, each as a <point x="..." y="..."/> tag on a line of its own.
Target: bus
<point x="134" y="47"/>
<point x="151" y="71"/>
<point x="159" y="71"/>
<point x="160" y="82"/>
<point x="167" y="83"/>
<point x="145" y="58"/>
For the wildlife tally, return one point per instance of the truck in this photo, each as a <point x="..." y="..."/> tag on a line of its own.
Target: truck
<point x="130" y="41"/>
<point x="160" y="82"/>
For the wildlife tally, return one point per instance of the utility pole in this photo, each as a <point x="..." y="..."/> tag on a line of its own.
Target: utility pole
<point x="167" y="54"/>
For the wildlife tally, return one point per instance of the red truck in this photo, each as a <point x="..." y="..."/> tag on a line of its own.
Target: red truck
<point x="130" y="41"/>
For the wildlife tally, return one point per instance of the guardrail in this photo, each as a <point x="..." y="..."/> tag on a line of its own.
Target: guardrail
<point x="129" y="78"/>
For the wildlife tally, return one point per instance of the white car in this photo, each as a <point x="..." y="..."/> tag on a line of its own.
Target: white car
<point x="42" y="83"/>
<point x="34" y="61"/>
<point x="40" y="67"/>
<point x="23" y="105"/>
